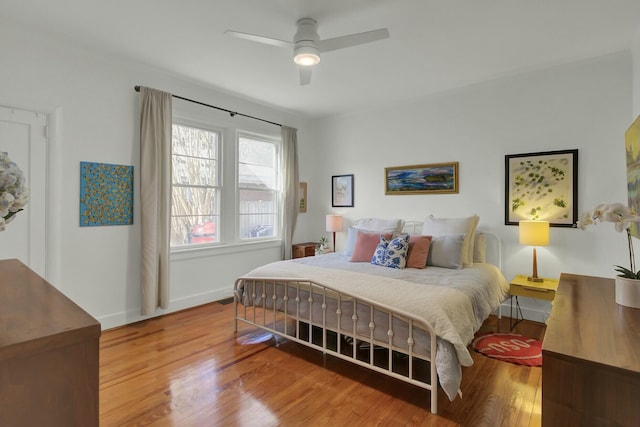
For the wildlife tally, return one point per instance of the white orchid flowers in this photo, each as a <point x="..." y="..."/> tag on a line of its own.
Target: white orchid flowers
<point x="617" y="213"/>
<point x="14" y="193"/>
<point x="622" y="217"/>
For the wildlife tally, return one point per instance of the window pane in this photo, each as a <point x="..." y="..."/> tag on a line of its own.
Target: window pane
<point x="191" y="230"/>
<point x="193" y="171"/>
<point x="258" y="213"/>
<point x="257" y="164"/>
<point x="194" y="216"/>
<point x="195" y="210"/>
<point x="194" y="142"/>
<point x="194" y="201"/>
<point x="258" y="177"/>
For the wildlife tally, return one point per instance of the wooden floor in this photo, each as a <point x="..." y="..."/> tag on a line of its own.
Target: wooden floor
<point x="188" y="369"/>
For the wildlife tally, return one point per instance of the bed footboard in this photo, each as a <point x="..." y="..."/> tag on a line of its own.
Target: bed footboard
<point x="345" y="326"/>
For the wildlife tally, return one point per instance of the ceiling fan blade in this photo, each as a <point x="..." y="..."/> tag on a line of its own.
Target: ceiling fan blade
<point x="260" y="39"/>
<point x="305" y="75"/>
<point x="352" y="40"/>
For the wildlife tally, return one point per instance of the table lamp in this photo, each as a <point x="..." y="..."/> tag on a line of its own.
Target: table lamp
<point x="334" y="223"/>
<point x="534" y="233"/>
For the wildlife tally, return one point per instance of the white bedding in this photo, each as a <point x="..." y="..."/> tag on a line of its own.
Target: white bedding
<point x="453" y="302"/>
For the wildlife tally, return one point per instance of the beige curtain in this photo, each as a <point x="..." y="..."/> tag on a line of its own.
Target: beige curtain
<point x="291" y="200"/>
<point x="155" y="187"/>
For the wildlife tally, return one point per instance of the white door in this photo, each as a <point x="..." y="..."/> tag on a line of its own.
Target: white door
<point x="23" y="135"/>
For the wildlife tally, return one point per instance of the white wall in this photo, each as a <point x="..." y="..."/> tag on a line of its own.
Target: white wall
<point x="94" y="112"/>
<point x="585" y="105"/>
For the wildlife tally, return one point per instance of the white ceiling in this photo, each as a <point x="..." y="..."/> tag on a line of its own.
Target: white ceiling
<point x="435" y="45"/>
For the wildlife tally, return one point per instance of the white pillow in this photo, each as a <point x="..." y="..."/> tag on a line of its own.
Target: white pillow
<point x="446" y="251"/>
<point x="445" y="226"/>
<point x="350" y="244"/>
<point x="378" y="224"/>
<point x="480" y="248"/>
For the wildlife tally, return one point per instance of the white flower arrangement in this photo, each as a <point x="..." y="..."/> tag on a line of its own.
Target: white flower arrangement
<point x="14" y="193"/>
<point x="322" y="246"/>
<point x="622" y="217"/>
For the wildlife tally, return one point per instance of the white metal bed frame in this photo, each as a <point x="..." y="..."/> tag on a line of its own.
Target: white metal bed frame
<point x="267" y="316"/>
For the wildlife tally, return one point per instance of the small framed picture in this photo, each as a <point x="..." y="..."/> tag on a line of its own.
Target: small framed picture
<point x="303" y="198"/>
<point x="342" y="191"/>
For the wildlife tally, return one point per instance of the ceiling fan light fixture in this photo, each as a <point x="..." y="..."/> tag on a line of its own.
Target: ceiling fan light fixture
<point x="306" y="56"/>
<point x="306" y="59"/>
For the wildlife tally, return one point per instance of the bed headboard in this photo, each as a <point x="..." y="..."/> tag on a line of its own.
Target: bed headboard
<point x="493" y="243"/>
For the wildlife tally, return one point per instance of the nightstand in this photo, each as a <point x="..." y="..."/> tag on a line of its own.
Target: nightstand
<point x="301" y="250"/>
<point x="520" y="286"/>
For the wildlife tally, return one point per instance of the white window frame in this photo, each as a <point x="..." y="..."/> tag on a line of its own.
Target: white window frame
<point x="228" y="236"/>
<point x="219" y="180"/>
<point x="277" y="142"/>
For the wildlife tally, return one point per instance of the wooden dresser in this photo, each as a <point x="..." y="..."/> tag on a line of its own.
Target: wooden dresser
<point x="590" y="357"/>
<point x="48" y="354"/>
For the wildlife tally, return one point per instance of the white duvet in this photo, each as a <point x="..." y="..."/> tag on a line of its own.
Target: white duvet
<point x="453" y="302"/>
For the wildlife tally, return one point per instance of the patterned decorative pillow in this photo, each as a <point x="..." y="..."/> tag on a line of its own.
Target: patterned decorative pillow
<point x="391" y="252"/>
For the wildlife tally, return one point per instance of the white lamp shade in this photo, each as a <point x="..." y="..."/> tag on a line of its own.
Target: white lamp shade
<point x="334" y="223"/>
<point x="534" y="233"/>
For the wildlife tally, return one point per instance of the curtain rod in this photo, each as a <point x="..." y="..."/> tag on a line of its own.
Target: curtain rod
<point x="231" y="113"/>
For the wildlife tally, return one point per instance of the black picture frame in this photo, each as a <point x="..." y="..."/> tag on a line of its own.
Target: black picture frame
<point x="542" y="186"/>
<point x="342" y="191"/>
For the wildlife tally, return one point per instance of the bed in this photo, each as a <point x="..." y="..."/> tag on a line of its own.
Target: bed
<point x="413" y="324"/>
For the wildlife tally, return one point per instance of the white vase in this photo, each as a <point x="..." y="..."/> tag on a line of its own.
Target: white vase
<point x="628" y="292"/>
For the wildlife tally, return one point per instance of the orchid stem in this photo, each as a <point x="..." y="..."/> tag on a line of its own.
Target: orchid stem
<point x="632" y="256"/>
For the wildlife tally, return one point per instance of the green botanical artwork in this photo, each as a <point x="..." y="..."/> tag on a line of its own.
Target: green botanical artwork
<point x="106" y="194"/>
<point x="632" y="149"/>
<point x="540" y="186"/>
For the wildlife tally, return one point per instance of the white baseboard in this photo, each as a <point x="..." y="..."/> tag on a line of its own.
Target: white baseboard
<point x="133" y="315"/>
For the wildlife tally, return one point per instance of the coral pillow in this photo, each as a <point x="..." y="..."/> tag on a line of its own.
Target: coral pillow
<point x="366" y="244"/>
<point x="418" y="251"/>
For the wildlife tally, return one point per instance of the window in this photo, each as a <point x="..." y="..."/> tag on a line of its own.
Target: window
<point x="195" y="187"/>
<point x="258" y="187"/>
<point x="225" y="185"/>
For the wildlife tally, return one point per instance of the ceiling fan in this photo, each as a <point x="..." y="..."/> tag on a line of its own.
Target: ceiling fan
<point x="307" y="45"/>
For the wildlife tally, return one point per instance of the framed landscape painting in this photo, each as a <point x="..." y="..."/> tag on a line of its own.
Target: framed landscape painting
<point x="437" y="178"/>
<point x="542" y="186"/>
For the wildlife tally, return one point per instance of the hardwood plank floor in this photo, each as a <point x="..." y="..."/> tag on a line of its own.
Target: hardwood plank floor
<point x="188" y="369"/>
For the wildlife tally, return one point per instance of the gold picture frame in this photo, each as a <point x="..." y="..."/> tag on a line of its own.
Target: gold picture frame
<point x="435" y="178"/>
<point x="303" y="198"/>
